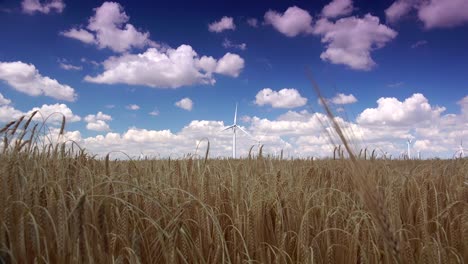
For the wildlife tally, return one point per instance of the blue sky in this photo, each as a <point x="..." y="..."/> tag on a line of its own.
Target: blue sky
<point x="149" y="78"/>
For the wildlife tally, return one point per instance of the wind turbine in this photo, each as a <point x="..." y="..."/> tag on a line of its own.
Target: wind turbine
<point x="409" y="147"/>
<point x="460" y="152"/>
<point x="234" y="127"/>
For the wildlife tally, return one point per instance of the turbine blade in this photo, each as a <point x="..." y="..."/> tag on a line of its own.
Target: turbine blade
<point x="247" y="133"/>
<point x="235" y="116"/>
<point x="229" y="127"/>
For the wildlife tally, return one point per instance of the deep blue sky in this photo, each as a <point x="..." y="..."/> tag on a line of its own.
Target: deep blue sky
<point x="437" y="69"/>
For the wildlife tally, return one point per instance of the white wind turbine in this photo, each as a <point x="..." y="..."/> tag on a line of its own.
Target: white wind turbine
<point x="409" y="147"/>
<point x="461" y="151"/>
<point x="234" y="127"/>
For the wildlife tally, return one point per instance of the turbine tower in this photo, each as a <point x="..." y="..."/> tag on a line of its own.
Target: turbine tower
<point x="461" y="151"/>
<point x="409" y="147"/>
<point x="234" y="128"/>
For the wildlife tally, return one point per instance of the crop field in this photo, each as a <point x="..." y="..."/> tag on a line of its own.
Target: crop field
<point x="62" y="205"/>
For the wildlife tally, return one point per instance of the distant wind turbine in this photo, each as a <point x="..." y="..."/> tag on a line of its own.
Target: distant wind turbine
<point x="461" y="151"/>
<point x="234" y="127"/>
<point x="409" y="147"/>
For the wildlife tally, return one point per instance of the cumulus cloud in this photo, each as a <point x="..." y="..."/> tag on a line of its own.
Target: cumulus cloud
<point x="108" y="28"/>
<point x="424" y="144"/>
<point x="433" y="13"/>
<point x="443" y="13"/>
<point x="33" y="6"/>
<point x="133" y="107"/>
<point x="80" y="34"/>
<point x="284" y="98"/>
<point x="341" y="99"/>
<point x="338" y="8"/>
<point x="292" y="22"/>
<point x="391" y="111"/>
<point x="155" y="112"/>
<point x="26" y="78"/>
<point x="185" y="103"/>
<point x="54" y="113"/>
<point x="350" y="40"/>
<point x="164" y="143"/>
<point x="299" y="133"/>
<point x="464" y="107"/>
<point x="398" y="9"/>
<point x="98" y="122"/>
<point x="4" y="101"/>
<point x="8" y="112"/>
<point x="167" y="68"/>
<point x="226" y="23"/>
<point x="230" y="64"/>
<point x="229" y="44"/>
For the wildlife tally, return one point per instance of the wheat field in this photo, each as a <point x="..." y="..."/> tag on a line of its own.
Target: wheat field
<point x="60" y="204"/>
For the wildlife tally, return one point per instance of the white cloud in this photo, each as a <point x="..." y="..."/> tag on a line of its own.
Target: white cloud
<point x="253" y="22"/>
<point x="98" y="125"/>
<point x="207" y="64"/>
<point x="464" y="107"/>
<point x="32" y="6"/>
<point x="226" y="23"/>
<point x="293" y="22"/>
<point x="433" y="13"/>
<point x="229" y="44"/>
<point x="443" y="13"/>
<point x="133" y="107"/>
<point x="390" y="111"/>
<point x="185" y="103"/>
<point x="230" y="64"/>
<point x="298" y="133"/>
<point x="398" y="9"/>
<point x="69" y="67"/>
<point x="54" y="113"/>
<point x="168" y="68"/>
<point x="341" y="99"/>
<point x="94" y="63"/>
<point x="26" y="78"/>
<point x="284" y="98"/>
<point x="422" y="144"/>
<point x="154" y="113"/>
<point x="80" y="34"/>
<point x="98" y="122"/>
<point x="338" y="8"/>
<point x="7" y="112"/>
<point x="3" y="100"/>
<point x="108" y="28"/>
<point x="350" y="40"/>
<point x="290" y="124"/>
<point x="164" y="143"/>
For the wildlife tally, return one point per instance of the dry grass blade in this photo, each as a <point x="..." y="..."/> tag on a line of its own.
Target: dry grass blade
<point x="7" y="126"/>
